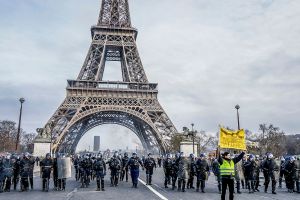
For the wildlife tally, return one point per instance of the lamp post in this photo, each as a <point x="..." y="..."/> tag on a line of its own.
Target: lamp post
<point x="193" y="135"/>
<point x="237" y="107"/>
<point x="22" y="100"/>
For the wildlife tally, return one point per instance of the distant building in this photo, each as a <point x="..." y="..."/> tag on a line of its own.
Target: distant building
<point x="96" y="143"/>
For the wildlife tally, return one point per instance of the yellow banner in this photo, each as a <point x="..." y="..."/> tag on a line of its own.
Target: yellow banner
<point x="232" y="139"/>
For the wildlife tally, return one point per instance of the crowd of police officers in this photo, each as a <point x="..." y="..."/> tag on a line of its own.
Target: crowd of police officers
<point x="180" y="172"/>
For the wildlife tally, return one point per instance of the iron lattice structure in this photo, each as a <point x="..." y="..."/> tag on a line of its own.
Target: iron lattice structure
<point x="91" y="102"/>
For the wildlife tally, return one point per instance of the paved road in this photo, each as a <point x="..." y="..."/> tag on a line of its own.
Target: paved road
<point x="124" y="192"/>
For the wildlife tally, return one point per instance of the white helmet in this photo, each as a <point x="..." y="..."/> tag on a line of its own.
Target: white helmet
<point x="292" y="158"/>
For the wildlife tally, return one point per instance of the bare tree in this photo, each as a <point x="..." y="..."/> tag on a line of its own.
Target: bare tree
<point x="176" y="139"/>
<point x="206" y="142"/>
<point x="8" y="135"/>
<point x="27" y="141"/>
<point x="272" y="139"/>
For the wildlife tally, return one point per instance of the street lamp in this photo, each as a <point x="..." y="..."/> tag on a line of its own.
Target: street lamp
<point x="237" y="107"/>
<point x="193" y="135"/>
<point x="22" y="100"/>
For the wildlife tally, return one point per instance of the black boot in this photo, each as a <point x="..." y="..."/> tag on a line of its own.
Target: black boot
<point x="197" y="185"/>
<point x="202" y="186"/>
<point x="280" y="182"/>
<point x="238" y="187"/>
<point x="179" y="185"/>
<point x="111" y="182"/>
<point x="183" y="185"/>
<point x="102" y="184"/>
<point x="31" y="183"/>
<point x="98" y="185"/>
<point x="273" y="187"/>
<point x="219" y="187"/>
<point x="150" y="179"/>
<point x="298" y="186"/>
<point x="243" y="184"/>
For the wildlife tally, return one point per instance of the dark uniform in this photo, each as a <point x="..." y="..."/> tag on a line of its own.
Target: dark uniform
<point x="124" y="173"/>
<point x="115" y="167"/>
<point x="190" y="183"/>
<point x="216" y="170"/>
<point x="269" y="166"/>
<point x="76" y="166"/>
<point x="85" y="171"/>
<point x="31" y="169"/>
<point x="100" y="170"/>
<point x="290" y="170"/>
<point x="46" y="166"/>
<point x="167" y="165"/>
<point x="1" y="174"/>
<point x="281" y="172"/>
<point x="134" y="164"/>
<point x="249" y="167"/>
<point x="174" y="172"/>
<point x="159" y="161"/>
<point x="25" y="165"/>
<point x="202" y="171"/>
<point x="297" y="177"/>
<point x="7" y="173"/>
<point x="149" y="166"/>
<point x="256" y="173"/>
<point x="16" y="172"/>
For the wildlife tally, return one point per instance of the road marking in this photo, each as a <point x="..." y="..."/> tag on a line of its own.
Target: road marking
<point x="153" y="190"/>
<point x="71" y="194"/>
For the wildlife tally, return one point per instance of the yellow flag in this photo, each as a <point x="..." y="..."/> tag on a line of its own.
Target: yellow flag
<point x="232" y="139"/>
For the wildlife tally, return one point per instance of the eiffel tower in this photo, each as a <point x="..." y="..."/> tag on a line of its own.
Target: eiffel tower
<point x="91" y="101"/>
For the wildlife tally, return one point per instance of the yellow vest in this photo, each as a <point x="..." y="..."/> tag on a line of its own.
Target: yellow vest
<point x="227" y="168"/>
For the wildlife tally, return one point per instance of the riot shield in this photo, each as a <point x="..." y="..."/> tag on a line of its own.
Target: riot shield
<point x="64" y="167"/>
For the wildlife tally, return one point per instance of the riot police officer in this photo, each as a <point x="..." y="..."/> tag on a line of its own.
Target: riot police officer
<point x="124" y="173"/>
<point x="115" y="167"/>
<point x="297" y="177"/>
<point x="257" y="172"/>
<point x="149" y="166"/>
<point x="159" y="161"/>
<point x="167" y="165"/>
<point x="85" y="169"/>
<point x="31" y="169"/>
<point x="100" y="170"/>
<point x="202" y="172"/>
<point x="25" y="165"/>
<point x="174" y="171"/>
<point x="290" y="174"/>
<point x="46" y="165"/>
<point x="190" y="183"/>
<point x="16" y="171"/>
<point x="216" y="170"/>
<point x="250" y="167"/>
<point x="76" y="166"/>
<point x="1" y="174"/>
<point x="184" y="168"/>
<point x="7" y="173"/>
<point x="134" y="164"/>
<point x="268" y="167"/>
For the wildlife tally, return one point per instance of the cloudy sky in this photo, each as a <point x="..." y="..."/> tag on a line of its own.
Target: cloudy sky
<point x="207" y="56"/>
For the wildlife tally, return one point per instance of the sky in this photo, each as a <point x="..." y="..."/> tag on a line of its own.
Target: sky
<point x="206" y="56"/>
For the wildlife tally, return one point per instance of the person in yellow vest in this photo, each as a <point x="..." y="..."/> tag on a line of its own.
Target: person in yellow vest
<point x="227" y="172"/>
